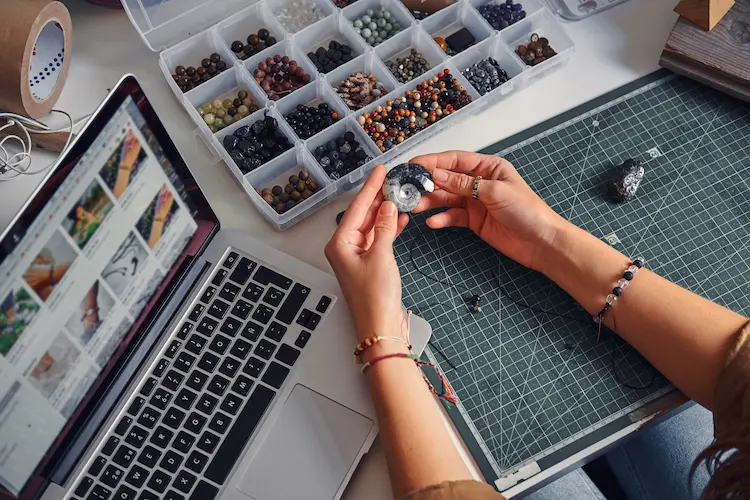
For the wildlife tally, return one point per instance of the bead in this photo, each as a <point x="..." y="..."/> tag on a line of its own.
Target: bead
<point x="617" y="291"/>
<point x="639" y="262"/>
<point x="217" y="104"/>
<point x="209" y="118"/>
<point x="627" y="275"/>
<point x="623" y="284"/>
<point x="611" y="299"/>
<point x="633" y="269"/>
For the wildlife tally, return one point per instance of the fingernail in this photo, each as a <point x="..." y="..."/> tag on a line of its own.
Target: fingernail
<point x="389" y="208"/>
<point x="440" y="175"/>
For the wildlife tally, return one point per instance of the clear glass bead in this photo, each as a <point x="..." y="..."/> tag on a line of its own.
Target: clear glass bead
<point x="597" y="319"/>
<point x="633" y="269"/>
<point x="623" y="283"/>
<point x="611" y="298"/>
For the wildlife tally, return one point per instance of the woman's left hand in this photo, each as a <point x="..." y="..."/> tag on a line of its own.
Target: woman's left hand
<point x="361" y="254"/>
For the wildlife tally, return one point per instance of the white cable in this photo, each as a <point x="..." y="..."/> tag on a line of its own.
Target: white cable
<point x="20" y="162"/>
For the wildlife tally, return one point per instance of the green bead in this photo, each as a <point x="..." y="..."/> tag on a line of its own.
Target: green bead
<point x="388" y="27"/>
<point x="381" y="22"/>
<point x="228" y="119"/>
<point x="366" y="19"/>
<point x="201" y="111"/>
<point x="209" y="118"/>
<point x="366" y="32"/>
<point x="386" y="15"/>
<point x="370" y="12"/>
<point x="213" y="128"/>
<point x="358" y="24"/>
<point x="370" y="40"/>
<point x="207" y="107"/>
<point x="357" y="31"/>
<point x="373" y="25"/>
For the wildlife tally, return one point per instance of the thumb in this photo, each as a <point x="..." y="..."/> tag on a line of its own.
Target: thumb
<point x="457" y="183"/>
<point x="386" y="224"/>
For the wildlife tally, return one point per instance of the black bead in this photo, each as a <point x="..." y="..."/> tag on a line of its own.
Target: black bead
<point x="617" y="291"/>
<point x="242" y="132"/>
<point x="237" y="46"/>
<point x="638" y="263"/>
<point x="230" y="142"/>
<point x="628" y="275"/>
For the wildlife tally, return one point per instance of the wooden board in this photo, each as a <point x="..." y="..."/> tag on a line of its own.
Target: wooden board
<point x="719" y="58"/>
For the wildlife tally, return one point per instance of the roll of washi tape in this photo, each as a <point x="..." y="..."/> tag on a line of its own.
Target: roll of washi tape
<point x="35" y="41"/>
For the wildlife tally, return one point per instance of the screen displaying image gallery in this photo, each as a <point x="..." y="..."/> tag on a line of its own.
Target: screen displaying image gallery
<point x="74" y="285"/>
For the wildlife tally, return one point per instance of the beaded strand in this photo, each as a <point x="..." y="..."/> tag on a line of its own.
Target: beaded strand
<point x="622" y="284"/>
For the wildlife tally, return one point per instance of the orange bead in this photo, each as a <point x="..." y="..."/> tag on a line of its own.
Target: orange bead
<point x="335" y="116"/>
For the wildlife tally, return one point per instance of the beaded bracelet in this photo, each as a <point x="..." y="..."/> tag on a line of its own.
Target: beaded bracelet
<point x="624" y="282"/>
<point x="371" y="341"/>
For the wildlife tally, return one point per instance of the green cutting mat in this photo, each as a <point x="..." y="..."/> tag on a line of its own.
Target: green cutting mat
<point x="538" y="388"/>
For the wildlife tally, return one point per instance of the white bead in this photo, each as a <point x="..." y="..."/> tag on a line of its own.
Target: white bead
<point x="623" y="283"/>
<point x="611" y="298"/>
<point x="633" y="269"/>
<point x="597" y="319"/>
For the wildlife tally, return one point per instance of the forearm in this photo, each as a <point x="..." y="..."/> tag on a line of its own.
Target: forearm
<point x="685" y="336"/>
<point x="416" y="441"/>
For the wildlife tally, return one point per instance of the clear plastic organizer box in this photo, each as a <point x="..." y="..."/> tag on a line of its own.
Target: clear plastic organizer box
<point x="186" y="31"/>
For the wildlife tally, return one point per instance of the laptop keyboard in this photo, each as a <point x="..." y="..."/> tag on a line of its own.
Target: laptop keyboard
<point x="192" y="416"/>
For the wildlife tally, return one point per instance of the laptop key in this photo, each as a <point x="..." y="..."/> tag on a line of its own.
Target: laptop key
<point x="172" y="380"/>
<point x="293" y="303"/>
<point x="185" y="329"/>
<point x="196" y="461"/>
<point x="220" y="423"/>
<point x="97" y="465"/>
<point x="231" y="404"/>
<point x="136" y="476"/>
<point x="218" y="309"/>
<point x="229" y="366"/>
<point x="161" y="367"/>
<point x="111" y="476"/>
<point x="302" y="339"/>
<point x="208" y="442"/>
<point x="123" y="425"/>
<point x="174" y="418"/>
<point x="264" y="349"/>
<point x="184" y="362"/>
<point x="148" y="495"/>
<point x="137" y="436"/>
<point x="161" y="398"/>
<point x="313" y="321"/>
<point x="273" y="296"/>
<point x="231" y="326"/>
<point x="204" y="491"/>
<point x="125" y="493"/>
<point x="243" y="271"/>
<point x="275" y="375"/>
<point x="220" y="344"/>
<point x="262" y="314"/>
<point x="195" y="423"/>
<point x="171" y="461"/>
<point x="241" y="309"/>
<point x="252" y="292"/>
<point x="111" y="445"/>
<point x="148" y="386"/>
<point x="136" y="406"/>
<point x="219" y="277"/>
<point x="229" y="291"/>
<point x="276" y="331"/>
<point x="207" y="326"/>
<point x="197" y="379"/>
<point x="196" y="312"/>
<point x="208" y="362"/>
<point x="196" y="343"/>
<point x="84" y="486"/>
<point x="159" y="481"/>
<point x="207" y="404"/>
<point x="184" y="481"/>
<point x="173" y="348"/>
<point x="266" y="276"/>
<point x="287" y="354"/>
<point x="323" y="304"/>
<point x="99" y="493"/>
<point x="161" y="436"/>
<point x="124" y="456"/>
<point x="252" y="331"/>
<point x="185" y="399"/>
<point x="172" y="495"/>
<point x="242" y="385"/>
<point x="149" y="456"/>
<point x="240" y="348"/>
<point x="149" y="417"/>
<point x="244" y="426"/>
<point x="208" y="294"/>
<point x="254" y="366"/>
<point x="231" y="260"/>
<point x="183" y="442"/>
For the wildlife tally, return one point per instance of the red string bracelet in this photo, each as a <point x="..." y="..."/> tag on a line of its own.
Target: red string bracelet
<point x="447" y="394"/>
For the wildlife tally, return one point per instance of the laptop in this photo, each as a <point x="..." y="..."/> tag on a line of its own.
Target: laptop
<point x="147" y="354"/>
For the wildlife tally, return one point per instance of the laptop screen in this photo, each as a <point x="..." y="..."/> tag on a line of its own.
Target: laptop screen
<point x="77" y="280"/>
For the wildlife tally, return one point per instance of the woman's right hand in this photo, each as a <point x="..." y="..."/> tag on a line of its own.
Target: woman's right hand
<point x="507" y="214"/>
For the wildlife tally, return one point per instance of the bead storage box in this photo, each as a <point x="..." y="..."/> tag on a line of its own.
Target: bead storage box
<point x="261" y="147"/>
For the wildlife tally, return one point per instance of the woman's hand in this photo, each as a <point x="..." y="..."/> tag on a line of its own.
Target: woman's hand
<point x="361" y="255"/>
<point x="508" y="214"/>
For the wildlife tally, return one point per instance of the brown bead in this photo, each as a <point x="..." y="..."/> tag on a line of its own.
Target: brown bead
<point x="253" y="107"/>
<point x="441" y="43"/>
<point x="534" y="46"/>
<point x="521" y="50"/>
<point x="280" y="208"/>
<point x="277" y="190"/>
<point x="284" y="197"/>
<point x="296" y="196"/>
<point x="190" y="71"/>
<point x="306" y="194"/>
<point x="543" y="41"/>
<point x="293" y="180"/>
<point x="301" y="186"/>
<point x="290" y="204"/>
<point x="237" y="103"/>
<point x="548" y="51"/>
<point x="268" y="199"/>
<point x="304" y="175"/>
<point x="289" y="188"/>
<point x="201" y="70"/>
<point x="242" y="94"/>
<point x="312" y="185"/>
<point x="265" y="192"/>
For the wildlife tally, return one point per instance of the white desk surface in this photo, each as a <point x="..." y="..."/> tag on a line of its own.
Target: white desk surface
<point x="612" y="48"/>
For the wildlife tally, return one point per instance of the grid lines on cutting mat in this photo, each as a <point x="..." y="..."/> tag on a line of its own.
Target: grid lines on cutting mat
<point x="530" y="382"/>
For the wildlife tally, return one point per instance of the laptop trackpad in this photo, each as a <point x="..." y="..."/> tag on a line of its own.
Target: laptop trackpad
<point x="309" y="450"/>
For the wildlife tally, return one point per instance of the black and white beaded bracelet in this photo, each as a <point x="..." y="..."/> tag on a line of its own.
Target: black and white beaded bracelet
<point x="624" y="282"/>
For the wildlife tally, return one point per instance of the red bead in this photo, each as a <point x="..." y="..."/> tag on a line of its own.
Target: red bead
<point x="446" y="71"/>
